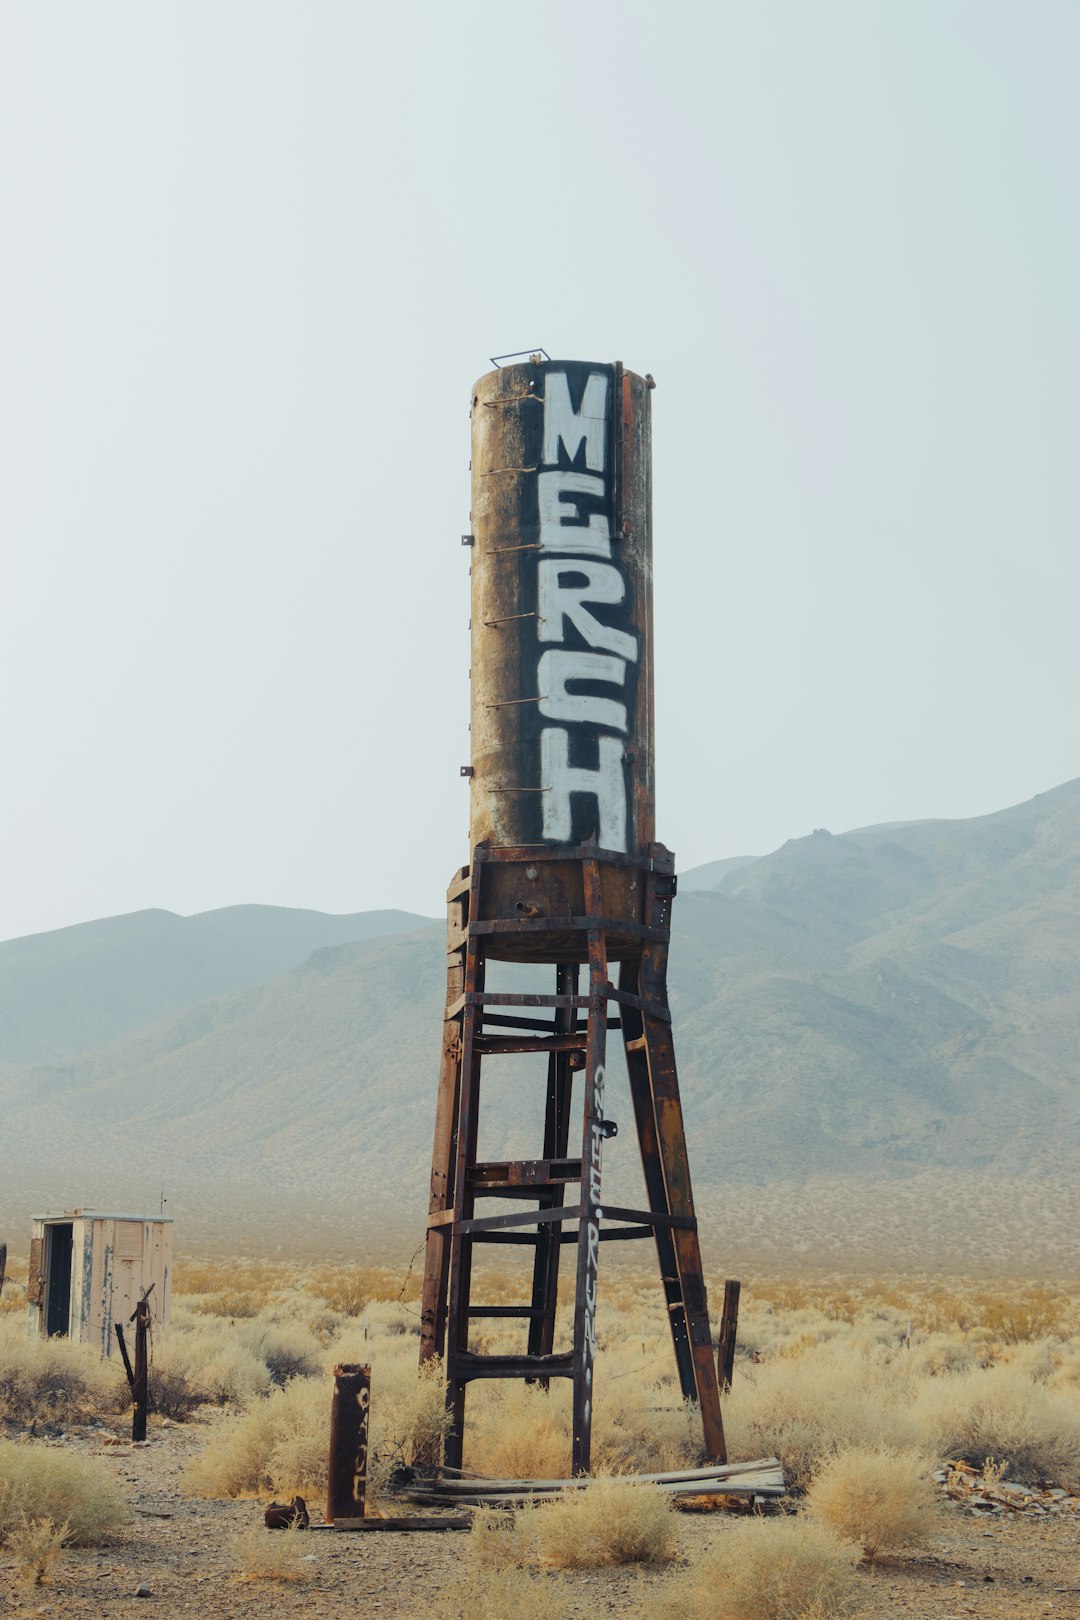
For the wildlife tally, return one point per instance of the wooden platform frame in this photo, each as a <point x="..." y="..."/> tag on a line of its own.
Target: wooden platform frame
<point x="571" y="1028"/>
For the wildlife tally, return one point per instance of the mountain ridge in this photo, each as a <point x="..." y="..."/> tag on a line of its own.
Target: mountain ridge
<point x="878" y="1010"/>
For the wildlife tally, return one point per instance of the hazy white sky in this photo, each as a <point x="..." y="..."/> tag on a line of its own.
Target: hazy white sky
<point x="254" y="254"/>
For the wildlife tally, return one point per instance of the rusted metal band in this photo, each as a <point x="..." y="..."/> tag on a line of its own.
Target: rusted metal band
<point x="651" y="1009"/>
<point x="482" y="998"/>
<point x="644" y="1217"/>
<point x="560" y="925"/>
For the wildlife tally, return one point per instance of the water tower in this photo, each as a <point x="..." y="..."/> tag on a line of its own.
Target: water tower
<point x="565" y="870"/>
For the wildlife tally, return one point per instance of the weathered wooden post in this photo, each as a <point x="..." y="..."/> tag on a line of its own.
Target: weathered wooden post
<point x="729" y="1322"/>
<point x="138" y="1387"/>
<point x="347" y="1484"/>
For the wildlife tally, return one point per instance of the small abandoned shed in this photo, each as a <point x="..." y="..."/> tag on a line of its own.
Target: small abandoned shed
<point x="89" y="1270"/>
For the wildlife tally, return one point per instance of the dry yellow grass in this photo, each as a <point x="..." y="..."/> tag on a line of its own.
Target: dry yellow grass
<point x="947" y="1368"/>
<point x="879" y="1499"/>
<point x="53" y="1379"/>
<point x="1001" y="1411"/>
<point x="507" y="1593"/>
<point x="279" y="1444"/>
<point x="804" y="1407"/>
<point x="767" y="1569"/>
<point x="41" y="1483"/>
<point x="272" y="1555"/>
<point x="610" y="1521"/>
<point x="36" y="1545"/>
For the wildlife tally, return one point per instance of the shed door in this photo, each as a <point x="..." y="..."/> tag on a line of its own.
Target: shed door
<point x="58" y="1279"/>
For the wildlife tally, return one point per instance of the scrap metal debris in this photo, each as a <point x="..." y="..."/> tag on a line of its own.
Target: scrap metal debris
<point x="984" y="1492"/>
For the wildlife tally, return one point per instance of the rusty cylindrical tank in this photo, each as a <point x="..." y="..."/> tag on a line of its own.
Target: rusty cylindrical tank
<point x="562" y="688"/>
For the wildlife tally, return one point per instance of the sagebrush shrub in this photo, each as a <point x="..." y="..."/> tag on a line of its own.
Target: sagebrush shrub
<point x="506" y="1593"/>
<point x="833" y="1395"/>
<point x="39" y="1482"/>
<point x="272" y="1555"/>
<point x="513" y="1431"/>
<point x="610" y="1521"/>
<point x="1004" y="1413"/>
<point x="36" y="1545"/>
<point x="770" y="1569"/>
<point x="878" y="1498"/>
<point x="207" y="1360"/>
<point x="53" y="1379"/>
<point x="279" y="1444"/>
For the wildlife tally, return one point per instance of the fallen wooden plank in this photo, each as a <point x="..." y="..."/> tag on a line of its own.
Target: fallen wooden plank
<point x="457" y="1487"/>
<point x="764" y="1484"/>
<point x="415" y="1521"/>
<point x="732" y="1483"/>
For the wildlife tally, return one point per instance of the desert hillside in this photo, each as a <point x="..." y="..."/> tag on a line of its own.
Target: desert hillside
<point x="876" y="1035"/>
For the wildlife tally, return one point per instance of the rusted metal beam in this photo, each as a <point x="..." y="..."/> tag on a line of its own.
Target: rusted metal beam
<point x="464" y="1154"/>
<point x="581" y="925"/>
<point x="506" y="1310"/>
<point x="346" y="1489"/>
<point x="472" y="1366"/>
<point x="659" y="1056"/>
<point x="500" y="1045"/>
<point x="649" y="1217"/>
<point x="520" y="1176"/>
<point x="443" y="1157"/>
<point x="560" y="1081"/>
<point x="506" y="999"/>
<point x="494" y="1223"/>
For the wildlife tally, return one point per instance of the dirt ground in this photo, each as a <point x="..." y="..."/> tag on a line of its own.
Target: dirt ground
<point x="1005" y="1568"/>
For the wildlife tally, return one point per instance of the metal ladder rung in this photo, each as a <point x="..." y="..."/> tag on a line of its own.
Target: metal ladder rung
<point x="523" y="1177"/>
<point x="466" y="1365"/>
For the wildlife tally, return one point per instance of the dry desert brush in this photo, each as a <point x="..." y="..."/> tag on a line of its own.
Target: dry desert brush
<point x="42" y="1483"/>
<point x="271" y="1555"/>
<point x="770" y="1569"/>
<point x="53" y="1380"/>
<point x="279" y="1444"/>
<point x="880" y="1499"/>
<point x="482" y="1592"/>
<point x="1004" y="1413"/>
<point x="36" y="1546"/>
<point x="609" y="1521"/>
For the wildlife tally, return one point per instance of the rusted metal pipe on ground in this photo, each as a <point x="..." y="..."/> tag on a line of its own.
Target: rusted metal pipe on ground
<point x="347" y="1484"/>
